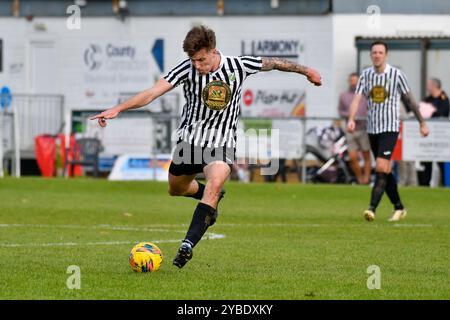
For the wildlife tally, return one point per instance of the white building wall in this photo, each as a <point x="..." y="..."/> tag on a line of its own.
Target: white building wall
<point x="313" y="34"/>
<point x="348" y="26"/>
<point x="327" y="43"/>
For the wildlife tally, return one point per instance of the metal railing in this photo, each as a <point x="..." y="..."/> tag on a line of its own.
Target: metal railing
<point x="28" y="116"/>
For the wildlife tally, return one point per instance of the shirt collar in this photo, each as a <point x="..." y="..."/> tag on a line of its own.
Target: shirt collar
<point x="386" y="69"/>
<point x="222" y="61"/>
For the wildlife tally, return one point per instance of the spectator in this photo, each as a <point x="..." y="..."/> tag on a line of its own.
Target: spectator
<point x="282" y="170"/>
<point x="359" y="140"/>
<point x="439" y="99"/>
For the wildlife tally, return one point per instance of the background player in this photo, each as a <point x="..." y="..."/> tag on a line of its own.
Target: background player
<point x="383" y="85"/>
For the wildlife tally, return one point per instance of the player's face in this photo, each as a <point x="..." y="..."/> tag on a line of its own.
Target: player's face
<point x="203" y="60"/>
<point x="378" y="55"/>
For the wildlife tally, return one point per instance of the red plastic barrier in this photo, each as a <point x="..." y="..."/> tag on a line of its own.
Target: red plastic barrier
<point x="45" y="150"/>
<point x="397" y="154"/>
<point x="62" y="149"/>
<point x="71" y="155"/>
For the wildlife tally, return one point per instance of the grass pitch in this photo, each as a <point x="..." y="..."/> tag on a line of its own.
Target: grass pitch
<point x="280" y="242"/>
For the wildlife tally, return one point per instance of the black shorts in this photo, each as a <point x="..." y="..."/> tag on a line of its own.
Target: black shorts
<point x="383" y="144"/>
<point x="188" y="159"/>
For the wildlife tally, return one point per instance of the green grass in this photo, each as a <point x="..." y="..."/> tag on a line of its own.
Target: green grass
<point x="281" y="242"/>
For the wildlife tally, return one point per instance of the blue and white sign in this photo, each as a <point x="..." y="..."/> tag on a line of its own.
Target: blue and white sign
<point x="5" y="97"/>
<point x="141" y="167"/>
<point x="158" y="53"/>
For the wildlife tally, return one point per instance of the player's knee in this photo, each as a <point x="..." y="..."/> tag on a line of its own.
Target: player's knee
<point x="383" y="169"/>
<point x="174" y="191"/>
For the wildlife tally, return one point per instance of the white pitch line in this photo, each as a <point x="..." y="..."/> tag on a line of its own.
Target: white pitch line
<point x="413" y="225"/>
<point x="94" y="227"/>
<point x="208" y="235"/>
<point x="150" y="229"/>
<point x="316" y="225"/>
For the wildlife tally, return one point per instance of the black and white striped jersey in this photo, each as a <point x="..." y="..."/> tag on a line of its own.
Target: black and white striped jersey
<point x="383" y="93"/>
<point x="213" y="101"/>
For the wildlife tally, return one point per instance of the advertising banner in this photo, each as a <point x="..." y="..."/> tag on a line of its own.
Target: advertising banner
<point x="141" y="167"/>
<point x="435" y="147"/>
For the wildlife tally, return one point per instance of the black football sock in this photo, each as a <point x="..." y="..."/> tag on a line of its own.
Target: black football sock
<point x="392" y="192"/>
<point x="199" y="194"/>
<point x="378" y="190"/>
<point x="201" y="220"/>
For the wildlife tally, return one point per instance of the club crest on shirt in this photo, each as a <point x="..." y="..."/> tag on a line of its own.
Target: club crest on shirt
<point x="216" y="95"/>
<point x="379" y="94"/>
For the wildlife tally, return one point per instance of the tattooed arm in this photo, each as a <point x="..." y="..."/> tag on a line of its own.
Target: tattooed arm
<point x="409" y="100"/>
<point x="289" y="66"/>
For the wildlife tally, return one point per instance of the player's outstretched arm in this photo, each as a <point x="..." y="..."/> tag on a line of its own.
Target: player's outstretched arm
<point x="409" y="100"/>
<point x="141" y="99"/>
<point x="285" y="65"/>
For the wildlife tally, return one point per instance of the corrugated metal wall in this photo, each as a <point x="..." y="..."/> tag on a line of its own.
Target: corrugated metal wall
<point x="173" y="7"/>
<point x="231" y="7"/>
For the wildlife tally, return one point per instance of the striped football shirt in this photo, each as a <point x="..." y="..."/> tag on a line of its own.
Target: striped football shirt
<point x="383" y="91"/>
<point x="212" y="108"/>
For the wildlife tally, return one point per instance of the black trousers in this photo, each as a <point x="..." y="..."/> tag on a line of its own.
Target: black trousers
<point x="424" y="177"/>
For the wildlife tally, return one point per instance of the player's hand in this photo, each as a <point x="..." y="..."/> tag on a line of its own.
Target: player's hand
<point x="351" y="126"/>
<point x="424" y="129"/>
<point x="107" y="114"/>
<point x="314" y="77"/>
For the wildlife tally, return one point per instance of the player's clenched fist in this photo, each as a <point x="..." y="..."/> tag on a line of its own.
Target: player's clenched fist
<point x="314" y="77"/>
<point x="424" y="132"/>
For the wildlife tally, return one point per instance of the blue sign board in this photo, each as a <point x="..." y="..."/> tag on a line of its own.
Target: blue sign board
<point x="5" y="97"/>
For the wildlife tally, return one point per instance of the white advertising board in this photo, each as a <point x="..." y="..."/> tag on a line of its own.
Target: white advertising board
<point x="435" y="147"/>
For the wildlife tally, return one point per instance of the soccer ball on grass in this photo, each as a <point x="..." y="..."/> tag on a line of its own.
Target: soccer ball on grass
<point x="145" y="257"/>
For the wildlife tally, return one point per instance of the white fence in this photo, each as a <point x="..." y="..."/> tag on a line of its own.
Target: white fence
<point x="28" y="116"/>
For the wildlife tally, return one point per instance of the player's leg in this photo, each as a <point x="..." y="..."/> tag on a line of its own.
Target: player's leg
<point x="216" y="174"/>
<point x="392" y="192"/>
<point x="186" y="186"/>
<point x="383" y="145"/>
<point x="388" y="144"/>
<point x="380" y="177"/>
<point x="382" y="169"/>
<point x="205" y="213"/>
<point x="182" y="172"/>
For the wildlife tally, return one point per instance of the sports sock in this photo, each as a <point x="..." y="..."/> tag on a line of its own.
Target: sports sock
<point x="201" y="220"/>
<point x="392" y="192"/>
<point x="199" y="194"/>
<point x="378" y="190"/>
